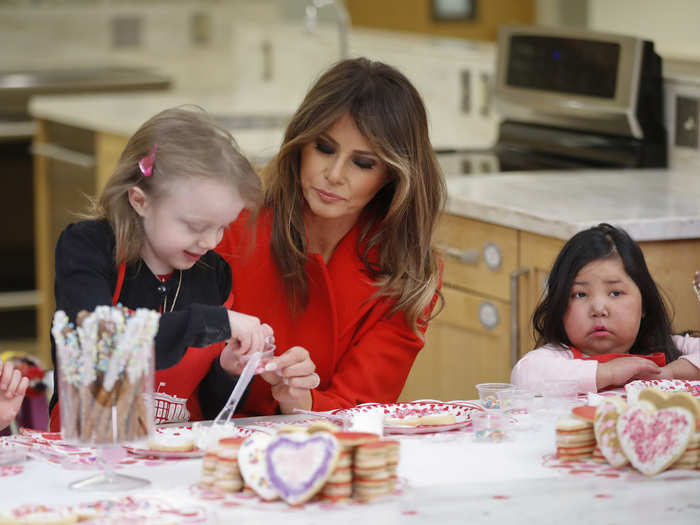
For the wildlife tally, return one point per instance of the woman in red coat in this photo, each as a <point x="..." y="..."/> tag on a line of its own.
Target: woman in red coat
<point x="341" y="264"/>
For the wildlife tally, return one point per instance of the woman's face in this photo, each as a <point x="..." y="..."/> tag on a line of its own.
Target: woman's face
<point x="605" y="309"/>
<point x="340" y="173"/>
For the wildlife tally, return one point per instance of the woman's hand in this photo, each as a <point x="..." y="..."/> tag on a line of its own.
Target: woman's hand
<point x="624" y="369"/>
<point x="12" y="389"/>
<point x="248" y="336"/>
<point x="292" y="376"/>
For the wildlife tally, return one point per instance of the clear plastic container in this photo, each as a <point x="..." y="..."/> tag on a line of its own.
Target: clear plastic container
<point x="105" y="382"/>
<point x="488" y="394"/>
<point x="105" y="375"/>
<point x="490" y="426"/>
<point x="518" y="405"/>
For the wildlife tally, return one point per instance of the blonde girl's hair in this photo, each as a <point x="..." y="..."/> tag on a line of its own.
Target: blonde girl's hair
<point x="401" y="218"/>
<point x="189" y="144"/>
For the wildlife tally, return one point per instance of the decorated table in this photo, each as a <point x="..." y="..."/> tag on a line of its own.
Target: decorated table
<point x="444" y="477"/>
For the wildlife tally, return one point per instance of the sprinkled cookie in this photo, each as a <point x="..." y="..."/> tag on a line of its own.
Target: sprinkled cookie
<point x="659" y="399"/>
<point x="605" y="427"/>
<point x="251" y="461"/>
<point x="654" y="440"/>
<point x="299" y="464"/>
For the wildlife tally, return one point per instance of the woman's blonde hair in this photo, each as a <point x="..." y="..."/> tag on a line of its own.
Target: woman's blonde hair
<point x="400" y="220"/>
<point x="188" y="144"/>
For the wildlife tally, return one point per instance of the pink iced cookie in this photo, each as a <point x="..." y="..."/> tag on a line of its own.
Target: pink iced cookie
<point x="251" y="461"/>
<point x="299" y="464"/>
<point x="654" y="440"/>
<point x="605" y="428"/>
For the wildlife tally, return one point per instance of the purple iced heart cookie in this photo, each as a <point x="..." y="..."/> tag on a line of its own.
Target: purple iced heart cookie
<point x="299" y="464"/>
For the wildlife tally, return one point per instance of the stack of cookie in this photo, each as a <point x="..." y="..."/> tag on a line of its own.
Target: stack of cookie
<point x="392" y="462"/>
<point x="575" y="439"/>
<point x="227" y="475"/>
<point x="298" y="463"/>
<point x="340" y="485"/>
<point x="371" y="476"/>
<point x="690" y="459"/>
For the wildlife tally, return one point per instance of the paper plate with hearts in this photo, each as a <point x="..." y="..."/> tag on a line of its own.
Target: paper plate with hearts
<point x="180" y="441"/>
<point x="633" y="388"/>
<point x="418" y="417"/>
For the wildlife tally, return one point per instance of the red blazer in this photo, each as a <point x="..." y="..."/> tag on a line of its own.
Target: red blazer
<point x="360" y="354"/>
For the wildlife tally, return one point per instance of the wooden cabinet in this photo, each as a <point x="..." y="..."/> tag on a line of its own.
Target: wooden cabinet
<point x="469" y="341"/>
<point x="70" y="165"/>
<point x="487" y="320"/>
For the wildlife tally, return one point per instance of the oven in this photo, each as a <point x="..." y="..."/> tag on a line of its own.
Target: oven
<point x="18" y="295"/>
<point x="571" y="100"/>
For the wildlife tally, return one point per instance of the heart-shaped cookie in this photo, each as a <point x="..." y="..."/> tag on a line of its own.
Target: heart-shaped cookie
<point x="251" y="461"/>
<point x="654" y="440"/>
<point x="299" y="464"/>
<point x="659" y="399"/>
<point x="605" y="428"/>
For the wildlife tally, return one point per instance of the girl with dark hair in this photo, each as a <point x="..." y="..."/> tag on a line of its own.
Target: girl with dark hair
<point x="602" y="320"/>
<point x="343" y="266"/>
<point x="149" y="243"/>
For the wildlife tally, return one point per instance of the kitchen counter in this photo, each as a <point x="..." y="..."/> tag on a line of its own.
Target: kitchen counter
<point x="649" y="204"/>
<point x="122" y="115"/>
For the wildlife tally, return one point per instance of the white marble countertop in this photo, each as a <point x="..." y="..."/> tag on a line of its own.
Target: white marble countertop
<point x="122" y="114"/>
<point x="649" y="204"/>
<point x="652" y="205"/>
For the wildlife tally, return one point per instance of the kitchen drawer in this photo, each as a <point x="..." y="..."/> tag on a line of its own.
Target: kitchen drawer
<point x="460" y="351"/>
<point x="478" y="256"/>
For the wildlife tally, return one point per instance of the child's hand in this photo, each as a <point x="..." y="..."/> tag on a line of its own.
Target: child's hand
<point x="248" y="335"/>
<point x="680" y="369"/>
<point x="12" y="389"/>
<point x="624" y="369"/>
<point x="292" y="376"/>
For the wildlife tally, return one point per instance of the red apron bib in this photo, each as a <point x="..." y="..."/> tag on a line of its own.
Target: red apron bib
<point x="659" y="357"/>
<point x="175" y="388"/>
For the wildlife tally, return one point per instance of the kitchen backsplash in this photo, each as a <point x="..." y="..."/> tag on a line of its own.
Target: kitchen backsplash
<point x="220" y="46"/>
<point x="260" y="50"/>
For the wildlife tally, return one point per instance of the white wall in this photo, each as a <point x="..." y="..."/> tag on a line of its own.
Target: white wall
<point x="673" y="25"/>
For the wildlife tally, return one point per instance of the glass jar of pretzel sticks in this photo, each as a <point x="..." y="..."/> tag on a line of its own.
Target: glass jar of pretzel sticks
<point x="105" y="374"/>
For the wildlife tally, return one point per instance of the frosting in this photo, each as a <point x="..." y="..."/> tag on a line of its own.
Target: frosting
<point x="298" y="465"/>
<point x="605" y="428"/>
<point x="653" y="441"/>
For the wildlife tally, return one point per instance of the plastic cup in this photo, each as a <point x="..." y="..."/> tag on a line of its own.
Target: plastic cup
<point x="559" y="395"/>
<point x="489" y="426"/>
<point x="488" y="394"/>
<point x="518" y="405"/>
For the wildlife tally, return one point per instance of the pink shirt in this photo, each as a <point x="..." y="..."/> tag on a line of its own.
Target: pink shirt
<point x="552" y="362"/>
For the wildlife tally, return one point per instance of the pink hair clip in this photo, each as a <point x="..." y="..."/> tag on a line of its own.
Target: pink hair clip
<point x="146" y="163"/>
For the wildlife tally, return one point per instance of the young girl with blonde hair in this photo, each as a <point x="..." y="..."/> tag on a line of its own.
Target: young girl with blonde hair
<point x="149" y="244"/>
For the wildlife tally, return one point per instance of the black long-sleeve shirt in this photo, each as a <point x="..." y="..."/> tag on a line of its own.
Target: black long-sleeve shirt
<point x="86" y="277"/>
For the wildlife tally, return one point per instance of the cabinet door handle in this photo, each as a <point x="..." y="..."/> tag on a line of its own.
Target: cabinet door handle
<point x="54" y="152"/>
<point x="465" y="256"/>
<point x="514" y="333"/>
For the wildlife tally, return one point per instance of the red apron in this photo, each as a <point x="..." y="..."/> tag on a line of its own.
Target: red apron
<point x="175" y="387"/>
<point x="659" y="357"/>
